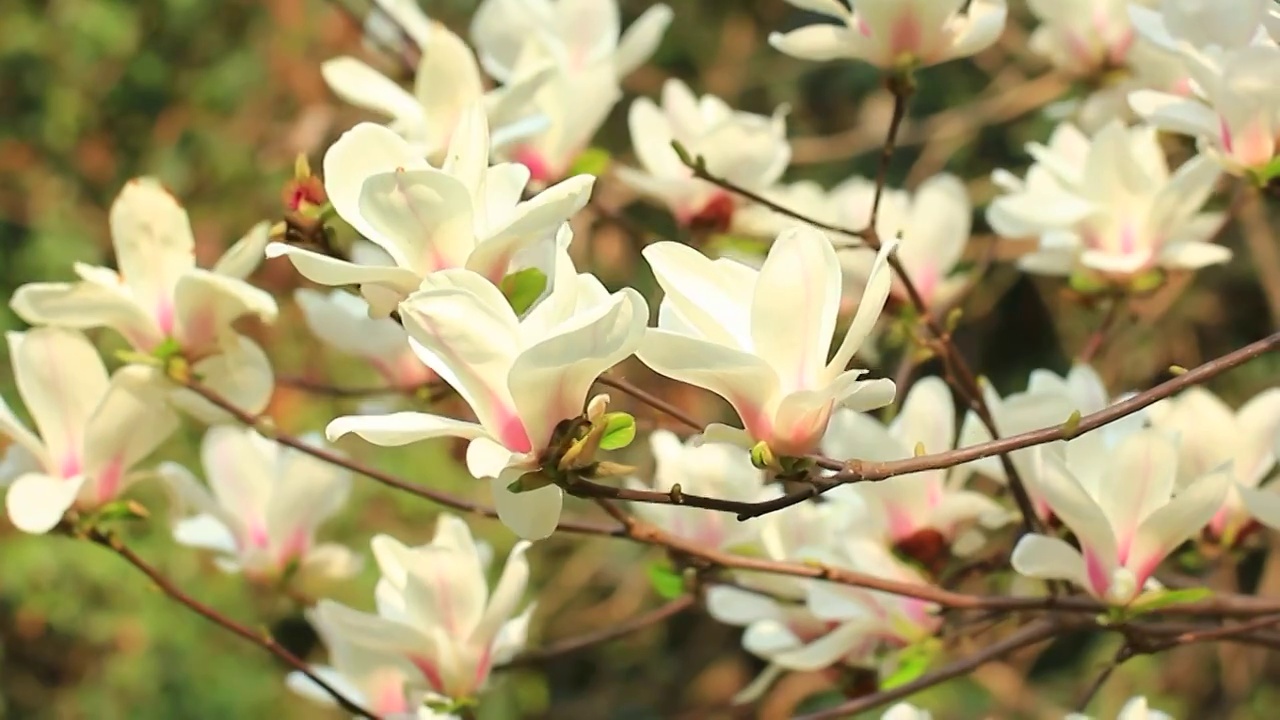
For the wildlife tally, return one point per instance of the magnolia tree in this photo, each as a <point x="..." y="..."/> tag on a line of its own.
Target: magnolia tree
<point x="885" y="528"/>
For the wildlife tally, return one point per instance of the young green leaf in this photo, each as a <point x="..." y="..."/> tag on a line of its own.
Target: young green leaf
<point x="619" y="431"/>
<point x="523" y="287"/>
<point x="666" y="581"/>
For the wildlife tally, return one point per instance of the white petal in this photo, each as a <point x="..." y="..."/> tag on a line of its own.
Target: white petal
<point x="205" y="532"/>
<point x="819" y="42"/>
<point x="37" y="502"/>
<point x="87" y="305"/>
<point x="874" y="296"/>
<point x="61" y="379"/>
<point x="152" y="239"/>
<point x="241" y="259"/>
<point x="401" y="428"/>
<point x="357" y="83"/>
<point x="1048" y="558"/>
<point x="1181" y="518"/>
<point x="532" y="515"/>
<point x="641" y="39"/>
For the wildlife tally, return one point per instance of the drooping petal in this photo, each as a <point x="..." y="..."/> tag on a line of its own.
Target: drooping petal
<point x="826" y="650"/>
<point x="331" y="271"/>
<point x="355" y="82"/>
<point x="818" y="42"/>
<point x="87" y="305"/>
<point x="532" y="515"/>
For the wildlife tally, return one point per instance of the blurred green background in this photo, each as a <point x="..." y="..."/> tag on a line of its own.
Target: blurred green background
<point x="217" y="98"/>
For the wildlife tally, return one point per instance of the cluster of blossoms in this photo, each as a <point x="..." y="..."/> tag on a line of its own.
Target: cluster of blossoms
<point x="465" y="275"/>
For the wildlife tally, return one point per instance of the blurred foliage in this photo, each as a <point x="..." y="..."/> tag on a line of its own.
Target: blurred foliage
<point x="216" y="99"/>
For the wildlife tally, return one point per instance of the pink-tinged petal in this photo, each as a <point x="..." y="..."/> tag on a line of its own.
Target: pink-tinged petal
<point x="307" y="491"/>
<point x="1082" y="514"/>
<point x="874" y="296"/>
<point x="742" y="379"/>
<point x="1180" y="519"/>
<point x="240" y="373"/>
<point x="1049" y="558"/>
<point x="532" y="515"/>
<point x="794" y="307"/>
<point x="206" y="304"/>
<point x="87" y="305"/>
<point x="401" y="428"/>
<point x="36" y="502"/>
<point x="1137" y="480"/>
<point x="550" y="380"/>
<point x="355" y="82"/>
<point x="61" y="380"/>
<point x="241" y="478"/>
<point x="131" y="420"/>
<point x="22" y="441"/>
<point x="426" y="213"/>
<point x="369" y="631"/>
<point x="445" y="589"/>
<point x="464" y="329"/>
<point x="467" y="156"/>
<point x="506" y="597"/>
<point x="534" y="220"/>
<point x="152" y="239"/>
<point x="799" y="422"/>
<point x="714" y="297"/>
<point x="927" y="416"/>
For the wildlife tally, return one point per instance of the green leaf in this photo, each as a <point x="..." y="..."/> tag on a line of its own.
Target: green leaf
<point x="739" y="245"/>
<point x="1167" y="598"/>
<point x="592" y="161"/>
<point x="168" y="348"/>
<point x="523" y="287"/>
<point x="913" y="661"/>
<point x="1087" y="283"/>
<point x="619" y="431"/>
<point x="1265" y="174"/>
<point x="1146" y="282"/>
<point x="666" y="581"/>
<point x="121" y="510"/>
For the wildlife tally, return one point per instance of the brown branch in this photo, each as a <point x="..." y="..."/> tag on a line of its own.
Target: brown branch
<point x="651" y="400"/>
<point x="901" y="88"/>
<point x="261" y="639"/>
<point x="608" y="634"/>
<point x="1029" y="635"/>
<point x="1093" y="345"/>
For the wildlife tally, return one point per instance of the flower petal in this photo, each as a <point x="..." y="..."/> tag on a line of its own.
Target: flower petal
<point x="36" y="502"/>
<point x="425" y="215"/>
<point x="130" y="422"/>
<point x="818" y="42"/>
<point x="355" y="82"/>
<point x="532" y="515"/>
<point x="641" y="39"/>
<point x="241" y="259"/>
<point x="874" y="296"/>
<point x="87" y="305"/>
<point x="1049" y="558"/>
<point x="1181" y="518"/>
<point x="61" y="379"/>
<point x="152" y="239"/>
<point x="401" y="428"/>
<point x="331" y="271"/>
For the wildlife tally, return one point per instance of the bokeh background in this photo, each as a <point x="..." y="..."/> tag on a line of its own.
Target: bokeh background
<point x="217" y="99"/>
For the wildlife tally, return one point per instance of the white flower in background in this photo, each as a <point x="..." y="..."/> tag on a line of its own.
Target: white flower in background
<point x="1082" y="37"/>
<point x="747" y="149"/>
<point x="160" y="301"/>
<point x="583" y="43"/>
<point x="521" y="376"/>
<point x="1211" y="434"/>
<point x="932" y="224"/>
<point x="711" y="469"/>
<point x="1235" y="112"/>
<point x="341" y="320"/>
<point x="437" y="618"/>
<point x="895" y="33"/>
<point x="1220" y="24"/>
<point x="577" y="34"/>
<point x="1124" y="512"/>
<point x="373" y="679"/>
<point x="760" y="338"/>
<point x="804" y="197"/>
<point x="906" y="711"/>
<point x="464" y="214"/>
<point x="1136" y="708"/>
<point x="261" y="509"/>
<point x="1108" y="203"/>
<point x="93" y="430"/>
<point x="447" y="82"/>
<point x="907" y="508"/>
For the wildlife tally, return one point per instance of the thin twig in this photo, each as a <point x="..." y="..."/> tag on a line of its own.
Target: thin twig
<point x="1122" y="655"/>
<point x="608" y="634"/>
<point x="261" y="639"/>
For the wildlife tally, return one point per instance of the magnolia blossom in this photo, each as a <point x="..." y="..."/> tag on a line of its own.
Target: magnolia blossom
<point x="1136" y="708"/>
<point x="93" y="430"/>
<point x="161" y="302"/>
<point x="1082" y="36"/>
<point x="521" y="376"/>
<point x="437" y="622"/>
<point x="261" y="509"/>
<point x="760" y="338"/>
<point x="341" y="320"/>
<point x="906" y="711"/>
<point x="746" y="149"/>
<point x="1221" y="24"/>
<point x="464" y="214"/>
<point x="896" y="33"/>
<point x="1108" y="203"/>
<point x="1235" y="112"/>
<point x="581" y="40"/>
<point x="371" y="678"/>
<point x="446" y="83"/>
<point x="921" y="511"/>
<point x="1210" y="434"/>
<point x="710" y="469"/>
<point x="1124" y="512"/>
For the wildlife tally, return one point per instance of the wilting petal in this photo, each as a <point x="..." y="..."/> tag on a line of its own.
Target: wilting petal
<point x="532" y="515"/>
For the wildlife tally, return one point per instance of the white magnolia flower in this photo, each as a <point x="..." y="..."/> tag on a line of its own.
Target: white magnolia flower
<point x="261" y="509"/>
<point x="373" y="679"/>
<point x="447" y="82"/>
<point x="1108" y="203"/>
<point x="932" y="224"/>
<point x="711" y="469"/>
<point x="93" y="430"/>
<point x="895" y="33"/>
<point x="437" y="619"/>
<point x="1235" y="111"/>
<point x="160" y="301"/>
<point x="521" y="376"/>
<point x="1124" y="512"/>
<point x="1221" y="24"/>
<point x="1082" y="37"/>
<point x="903" y="508"/>
<point x="464" y="214"/>
<point x="1136" y="708"/>
<point x="747" y="149"/>
<point x="341" y="320"/>
<point x="581" y="40"/>
<point x="578" y="34"/>
<point x="906" y="711"/>
<point x="1210" y="434"/>
<point x="760" y="338"/>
